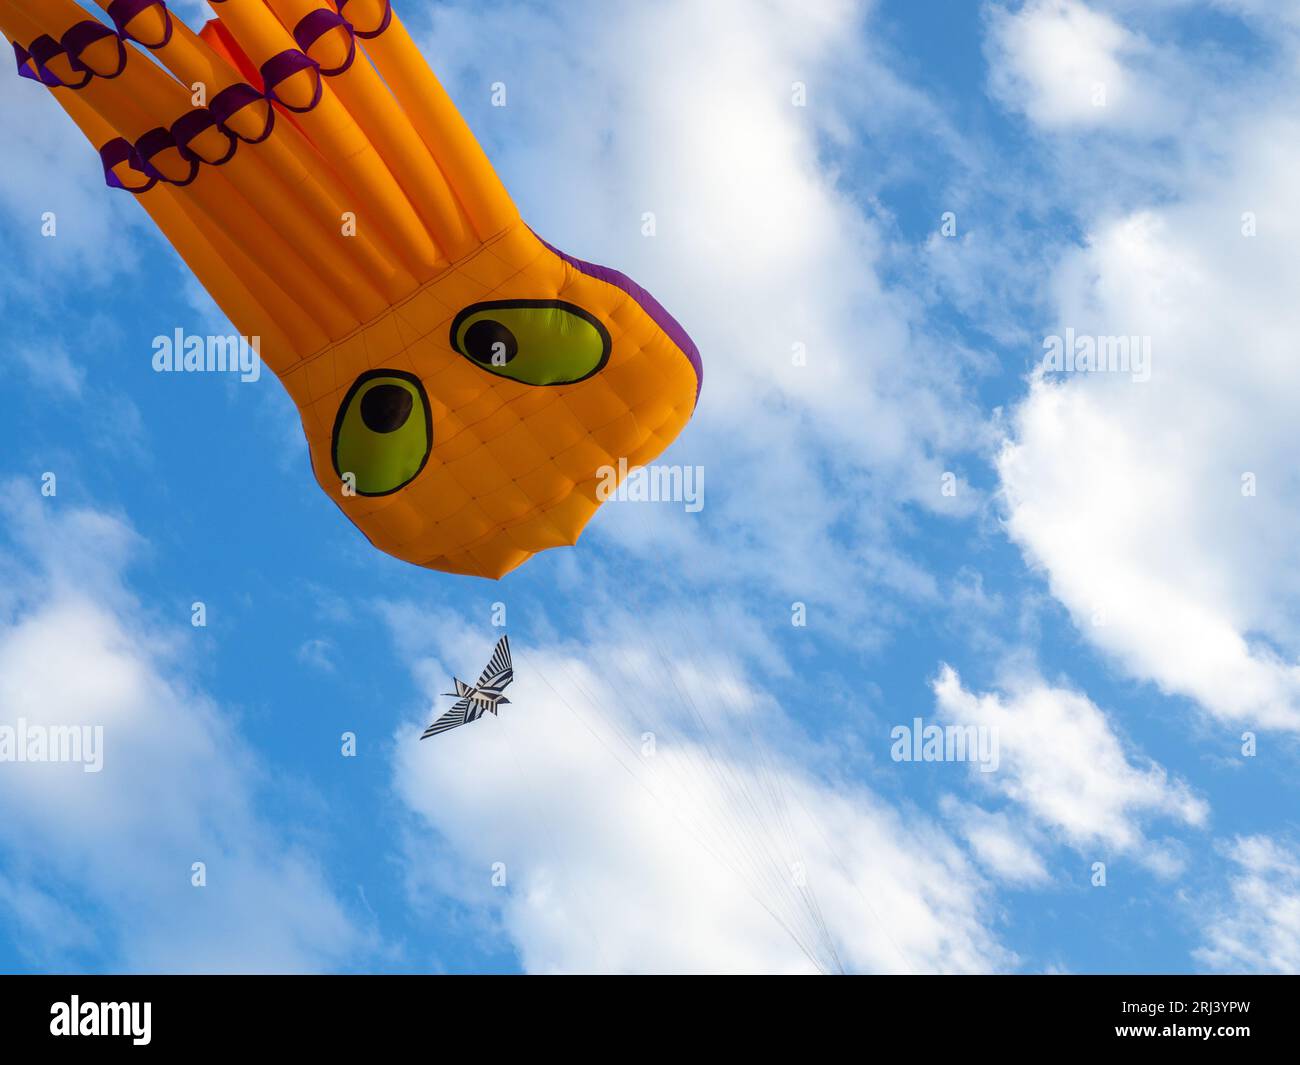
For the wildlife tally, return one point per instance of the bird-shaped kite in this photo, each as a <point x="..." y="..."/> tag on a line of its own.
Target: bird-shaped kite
<point x="465" y="387"/>
<point x="475" y="700"/>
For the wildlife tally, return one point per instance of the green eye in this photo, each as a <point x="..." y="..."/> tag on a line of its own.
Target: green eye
<point x="383" y="432"/>
<point x="537" y="342"/>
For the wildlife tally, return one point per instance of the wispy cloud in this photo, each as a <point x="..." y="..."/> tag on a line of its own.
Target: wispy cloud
<point x="1067" y="65"/>
<point x="1162" y="512"/>
<point x="177" y="785"/>
<point x="1256" y="929"/>
<point x="1064" y="768"/>
<point x="596" y="855"/>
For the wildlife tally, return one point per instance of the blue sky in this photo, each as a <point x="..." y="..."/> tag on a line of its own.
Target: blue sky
<point x="1099" y="590"/>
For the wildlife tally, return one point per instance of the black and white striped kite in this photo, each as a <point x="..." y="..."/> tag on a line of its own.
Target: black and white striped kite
<point x="484" y="697"/>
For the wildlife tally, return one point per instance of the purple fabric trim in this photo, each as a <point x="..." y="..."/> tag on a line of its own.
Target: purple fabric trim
<point x="384" y="22"/>
<point x="648" y="303"/>
<point x="117" y="151"/>
<point x="285" y="65"/>
<point x="234" y="98"/>
<point x="123" y="11"/>
<point x="23" y="57"/>
<point x="157" y="140"/>
<point x="197" y="121"/>
<point x="81" y="36"/>
<point x="314" y="25"/>
<point x="42" y="50"/>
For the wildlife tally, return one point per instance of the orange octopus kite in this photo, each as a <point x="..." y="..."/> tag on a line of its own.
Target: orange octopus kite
<point x="462" y="383"/>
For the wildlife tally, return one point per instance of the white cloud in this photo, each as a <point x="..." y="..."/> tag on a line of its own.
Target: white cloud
<point x="1068" y="66"/>
<point x="1258" y="929"/>
<point x="177" y="785"/>
<point x="1061" y="762"/>
<point x="319" y="653"/>
<point x="619" y="862"/>
<point x="1271" y="14"/>
<point x="1134" y="498"/>
<point x="49" y="366"/>
<point x="1002" y="844"/>
<point x="64" y="933"/>
<point x="59" y="178"/>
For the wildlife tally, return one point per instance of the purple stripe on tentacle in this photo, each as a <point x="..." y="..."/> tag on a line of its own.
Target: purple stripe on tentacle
<point x="81" y="36"/>
<point x="234" y="98"/>
<point x="285" y="65"/>
<point x="192" y="124"/>
<point x="314" y="25"/>
<point x="24" y="57"/>
<point x="116" y="152"/>
<point x="157" y="140"/>
<point x="384" y="22"/>
<point x="42" y="50"/>
<point x="123" y="11"/>
<point x="648" y="303"/>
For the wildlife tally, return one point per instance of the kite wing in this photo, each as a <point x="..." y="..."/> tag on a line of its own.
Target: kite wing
<point x="451" y="719"/>
<point x="500" y="670"/>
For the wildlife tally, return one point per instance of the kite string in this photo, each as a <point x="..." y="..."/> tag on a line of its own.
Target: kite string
<point x="673" y="810"/>
<point x="772" y="781"/>
<point x="753" y="848"/>
<point x="541" y="818"/>
<point x="815" y="823"/>
<point x="800" y="899"/>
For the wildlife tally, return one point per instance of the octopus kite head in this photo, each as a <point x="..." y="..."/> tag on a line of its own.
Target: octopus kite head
<point x="467" y="390"/>
<point x="476" y="423"/>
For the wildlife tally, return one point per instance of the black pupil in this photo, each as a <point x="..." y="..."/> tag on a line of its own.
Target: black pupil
<point x="491" y="343"/>
<point x="385" y="408"/>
